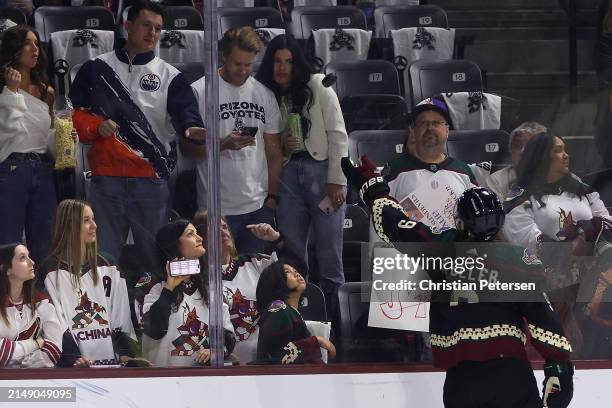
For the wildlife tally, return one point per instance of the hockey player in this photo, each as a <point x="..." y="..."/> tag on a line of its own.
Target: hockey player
<point x="481" y="345"/>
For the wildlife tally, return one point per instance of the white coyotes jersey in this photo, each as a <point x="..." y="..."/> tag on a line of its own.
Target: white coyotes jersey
<point x="240" y="279"/>
<point x="18" y="346"/>
<point x="525" y="222"/>
<point x="92" y="312"/>
<point x="187" y="331"/>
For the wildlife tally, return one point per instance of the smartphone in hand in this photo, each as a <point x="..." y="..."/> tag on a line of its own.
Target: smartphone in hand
<point x="185" y="267"/>
<point x="326" y="205"/>
<point x="249" y="131"/>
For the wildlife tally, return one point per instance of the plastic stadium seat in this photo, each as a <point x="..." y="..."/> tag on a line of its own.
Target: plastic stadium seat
<point x="356" y="232"/>
<point x="430" y="77"/>
<point x="50" y="19"/>
<point x="583" y="154"/>
<point x="356" y="224"/>
<point x="357" y="342"/>
<point x="192" y="70"/>
<point x="258" y="17"/>
<point x="235" y="3"/>
<point x="476" y="146"/>
<point x="364" y="77"/>
<point x="306" y="19"/>
<point x="13" y="14"/>
<point x="375" y="112"/>
<point x="312" y="304"/>
<point x="379" y="145"/>
<point x="395" y="17"/>
<point x="183" y="18"/>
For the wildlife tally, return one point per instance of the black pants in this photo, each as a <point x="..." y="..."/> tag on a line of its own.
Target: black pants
<point x="500" y="383"/>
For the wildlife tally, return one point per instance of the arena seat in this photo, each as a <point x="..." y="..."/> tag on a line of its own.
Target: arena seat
<point x="55" y="18"/>
<point x="13" y="14"/>
<point x="357" y="342"/>
<point x="389" y="18"/>
<point x="356" y="224"/>
<point x="364" y="77"/>
<point x="380" y="146"/>
<point x="306" y="19"/>
<point x="183" y="18"/>
<point x="583" y="154"/>
<point x="312" y="304"/>
<point x="258" y="17"/>
<point x="192" y="70"/>
<point x="375" y="112"/>
<point x="235" y="3"/>
<point x="356" y="232"/>
<point x="430" y="77"/>
<point x="477" y="146"/>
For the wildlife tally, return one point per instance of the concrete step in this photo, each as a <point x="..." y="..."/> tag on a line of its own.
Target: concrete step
<point x="509" y="4"/>
<point x="525" y="33"/>
<point x="517" y="18"/>
<point x="534" y="56"/>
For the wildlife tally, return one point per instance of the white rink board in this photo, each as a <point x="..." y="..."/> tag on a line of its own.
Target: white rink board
<point x="419" y="389"/>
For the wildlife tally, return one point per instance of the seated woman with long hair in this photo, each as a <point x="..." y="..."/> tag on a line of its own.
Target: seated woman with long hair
<point x="555" y="215"/>
<point x="176" y="309"/>
<point x="88" y="292"/>
<point x="283" y="335"/>
<point x="30" y="334"/>
<point x="240" y="276"/>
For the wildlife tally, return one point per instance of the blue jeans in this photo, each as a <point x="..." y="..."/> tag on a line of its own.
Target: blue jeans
<point x="27" y="202"/>
<point x="246" y="242"/>
<point x="121" y="203"/>
<point x="303" y="186"/>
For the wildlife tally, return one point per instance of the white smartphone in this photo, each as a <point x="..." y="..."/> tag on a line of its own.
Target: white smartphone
<point x="185" y="267"/>
<point x="326" y="205"/>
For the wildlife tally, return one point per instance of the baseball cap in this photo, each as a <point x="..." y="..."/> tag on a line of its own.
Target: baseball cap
<point x="435" y="103"/>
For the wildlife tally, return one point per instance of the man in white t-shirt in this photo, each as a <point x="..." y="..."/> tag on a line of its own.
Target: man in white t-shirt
<point x="249" y="127"/>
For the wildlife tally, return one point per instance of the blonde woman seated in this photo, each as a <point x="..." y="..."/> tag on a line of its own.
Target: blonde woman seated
<point x="88" y="292"/>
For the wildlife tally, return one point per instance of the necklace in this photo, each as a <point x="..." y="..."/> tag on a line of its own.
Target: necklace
<point x="16" y="302"/>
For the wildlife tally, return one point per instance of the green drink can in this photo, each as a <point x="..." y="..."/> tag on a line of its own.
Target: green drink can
<point x="294" y="125"/>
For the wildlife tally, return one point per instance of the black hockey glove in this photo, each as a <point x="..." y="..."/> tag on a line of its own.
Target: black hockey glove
<point x="558" y="384"/>
<point x="366" y="178"/>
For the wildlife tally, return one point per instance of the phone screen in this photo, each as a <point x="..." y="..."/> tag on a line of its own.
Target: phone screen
<point x="249" y="131"/>
<point x="185" y="267"/>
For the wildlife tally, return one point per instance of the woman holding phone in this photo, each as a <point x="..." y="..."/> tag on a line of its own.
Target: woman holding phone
<point x="26" y="121"/>
<point x="176" y="310"/>
<point x="313" y="187"/>
<point x="88" y="292"/>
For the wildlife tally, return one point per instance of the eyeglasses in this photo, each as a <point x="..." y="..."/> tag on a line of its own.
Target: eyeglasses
<point x="424" y="124"/>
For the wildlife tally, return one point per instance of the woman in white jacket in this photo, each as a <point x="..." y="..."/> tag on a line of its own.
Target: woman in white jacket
<point x="30" y="334"/>
<point x="313" y="187"/>
<point x="26" y="175"/>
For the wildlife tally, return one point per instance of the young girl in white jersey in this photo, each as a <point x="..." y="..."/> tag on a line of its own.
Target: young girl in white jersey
<point x="88" y="292"/>
<point x="30" y="334"/>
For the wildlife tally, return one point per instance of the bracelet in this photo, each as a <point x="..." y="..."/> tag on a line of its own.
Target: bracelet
<point x="273" y="197"/>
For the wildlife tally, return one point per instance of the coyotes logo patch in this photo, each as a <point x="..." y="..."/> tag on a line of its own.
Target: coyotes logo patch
<point x="88" y="312"/>
<point x="193" y="334"/>
<point x="243" y="313"/>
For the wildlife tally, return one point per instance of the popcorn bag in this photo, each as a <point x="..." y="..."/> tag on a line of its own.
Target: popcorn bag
<point x="64" y="142"/>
